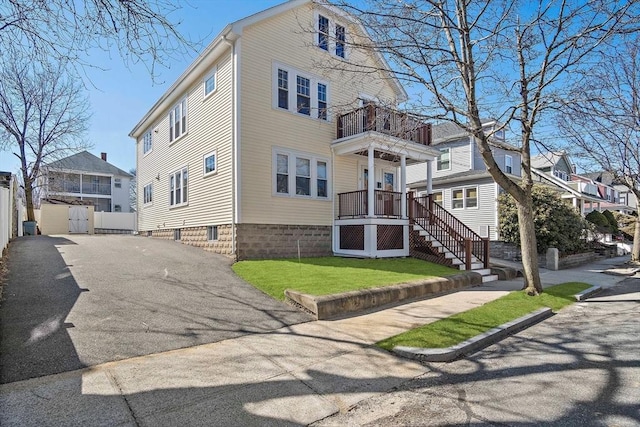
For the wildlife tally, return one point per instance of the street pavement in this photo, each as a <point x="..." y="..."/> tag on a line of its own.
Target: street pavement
<point x="326" y="371"/>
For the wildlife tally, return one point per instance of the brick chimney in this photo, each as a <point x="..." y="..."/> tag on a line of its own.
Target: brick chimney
<point x="103" y="156"/>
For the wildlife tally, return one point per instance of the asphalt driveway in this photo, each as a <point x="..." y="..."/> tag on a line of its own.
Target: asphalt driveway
<point x="76" y="301"/>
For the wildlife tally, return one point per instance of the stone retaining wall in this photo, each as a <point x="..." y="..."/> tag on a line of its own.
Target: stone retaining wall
<point x="555" y="262"/>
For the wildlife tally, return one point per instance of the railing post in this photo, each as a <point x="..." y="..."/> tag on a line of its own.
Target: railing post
<point x="485" y="242"/>
<point x="410" y="207"/>
<point x="430" y="205"/>
<point x="467" y="253"/>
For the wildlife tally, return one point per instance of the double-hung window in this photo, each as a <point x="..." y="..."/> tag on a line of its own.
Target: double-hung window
<point x="300" y="92"/>
<point x="300" y="175"/>
<point x="508" y="164"/>
<point x="147" y="143"/>
<point x="462" y="198"/>
<point x="210" y="83"/>
<point x="303" y="101"/>
<point x="332" y="37"/>
<point x="444" y="159"/>
<point x="148" y="193"/>
<point x="178" y="184"/>
<point x="178" y="120"/>
<point x="323" y="32"/>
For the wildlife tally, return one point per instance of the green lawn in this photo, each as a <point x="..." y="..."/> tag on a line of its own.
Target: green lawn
<point x="462" y="326"/>
<point x="332" y="275"/>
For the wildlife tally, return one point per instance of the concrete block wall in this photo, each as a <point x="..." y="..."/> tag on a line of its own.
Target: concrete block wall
<point x="197" y="236"/>
<point x="256" y="241"/>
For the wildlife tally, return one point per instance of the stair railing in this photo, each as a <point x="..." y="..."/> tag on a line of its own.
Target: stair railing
<point x="452" y="233"/>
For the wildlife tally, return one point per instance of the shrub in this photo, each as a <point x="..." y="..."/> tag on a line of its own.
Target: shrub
<point x="613" y="223"/>
<point x="599" y="220"/>
<point x="557" y="224"/>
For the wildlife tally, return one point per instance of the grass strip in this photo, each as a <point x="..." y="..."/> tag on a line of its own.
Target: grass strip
<point x="468" y="324"/>
<point x="332" y="275"/>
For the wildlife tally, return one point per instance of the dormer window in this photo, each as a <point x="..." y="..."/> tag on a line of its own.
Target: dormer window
<point x="323" y="32"/>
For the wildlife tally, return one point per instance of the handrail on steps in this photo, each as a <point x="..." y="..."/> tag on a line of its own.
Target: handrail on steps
<point x="452" y="233"/>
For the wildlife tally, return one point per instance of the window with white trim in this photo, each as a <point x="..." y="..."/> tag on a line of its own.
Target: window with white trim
<point x="331" y="36"/>
<point x="462" y="198"/>
<point x="117" y="182"/>
<point x="444" y="159"/>
<point x="148" y="193"/>
<point x="210" y="163"/>
<point x="147" y="143"/>
<point x="300" y="92"/>
<point x="178" y="184"/>
<point x="210" y="83"/>
<point x="300" y="175"/>
<point x="178" y="120"/>
<point x="340" y="41"/>
<point x="508" y="164"/>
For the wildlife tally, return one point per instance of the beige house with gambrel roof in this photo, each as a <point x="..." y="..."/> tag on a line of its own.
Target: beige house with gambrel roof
<point x="256" y="152"/>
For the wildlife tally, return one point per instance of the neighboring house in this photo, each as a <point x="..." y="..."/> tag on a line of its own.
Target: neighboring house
<point x="262" y="149"/>
<point x="554" y="163"/>
<point x="618" y="196"/>
<point x="461" y="182"/>
<point x="87" y="178"/>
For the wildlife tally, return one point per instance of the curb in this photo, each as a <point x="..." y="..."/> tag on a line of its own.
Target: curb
<point x="473" y="344"/>
<point x="587" y="293"/>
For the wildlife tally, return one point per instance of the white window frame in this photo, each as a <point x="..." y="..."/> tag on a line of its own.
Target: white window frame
<point x="117" y="182"/>
<point x="184" y="198"/>
<point x="331" y="36"/>
<point x="215" y="163"/>
<point x="213" y="75"/>
<point x="181" y="108"/>
<point x="147" y="192"/>
<point x="439" y="161"/>
<point x="465" y="198"/>
<point x="314" y="159"/>
<point x="292" y="92"/>
<point x="147" y="142"/>
<point x="508" y="164"/>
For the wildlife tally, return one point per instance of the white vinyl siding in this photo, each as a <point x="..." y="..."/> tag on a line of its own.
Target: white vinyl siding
<point x="210" y="130"/>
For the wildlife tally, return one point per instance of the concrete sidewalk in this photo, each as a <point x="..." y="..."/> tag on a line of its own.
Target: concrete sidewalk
<point x="295" y="375"/>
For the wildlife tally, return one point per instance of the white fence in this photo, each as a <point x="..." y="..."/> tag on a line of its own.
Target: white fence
<point x="6" y="210"/>
<point x="114" y="220"/>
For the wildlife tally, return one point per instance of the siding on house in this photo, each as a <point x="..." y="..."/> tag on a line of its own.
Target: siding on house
<point x="209" y="128"/>
<point x="285" y="40"/>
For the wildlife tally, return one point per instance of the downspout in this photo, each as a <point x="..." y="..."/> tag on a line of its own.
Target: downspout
<point x="234" y="143"/>
<point x="334" y="245"/>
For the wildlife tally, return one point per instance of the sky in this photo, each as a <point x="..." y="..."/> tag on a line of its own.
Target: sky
<point x="121" y="95"/>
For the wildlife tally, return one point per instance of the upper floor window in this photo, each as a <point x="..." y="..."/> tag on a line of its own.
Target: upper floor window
<point x="117" y="182"/>
<point x="332" y="37"/>
<point x="438" y="197"/>
<point x="178" y="120"/>
<point x="508" y="164"/>
<point x="300" y="175"/>
<point x="210" y="163"/>
<point x="444" y="159"/>
<point x="323" y="32"/>
<point x="309" y="96"/>
<point x="561" y="174"/>
<point x="210" y="83"/>
<point x="178" y="187"/>
<point x="148" y="193"/>
<point x="340" y="41"/>
<point x="147" y="143"/>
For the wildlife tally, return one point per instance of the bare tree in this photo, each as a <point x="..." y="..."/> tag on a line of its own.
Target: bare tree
<point x="63" y="30"/>
<point x="603" y="119"/>
<point x="511" y="61"/>
<point x="133" y="190"/>
<point x="43" y="115"/>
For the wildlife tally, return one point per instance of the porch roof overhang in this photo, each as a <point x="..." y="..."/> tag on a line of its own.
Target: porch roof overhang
<point x="381" y="142"/>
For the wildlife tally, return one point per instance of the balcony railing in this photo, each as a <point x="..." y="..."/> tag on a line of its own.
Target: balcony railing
<point x="384" y="120"/>
<point x="93" y="188"/>
<point x="354" y="204"/>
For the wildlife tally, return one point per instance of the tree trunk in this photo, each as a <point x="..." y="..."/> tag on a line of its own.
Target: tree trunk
<point x="635" y="252"/>
<point x="28" y="194"/>
<point x="529" y="248"/>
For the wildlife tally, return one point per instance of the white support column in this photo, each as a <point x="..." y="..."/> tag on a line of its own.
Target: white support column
<point x="429" y="177"/>
<point x="371" y="183"/>
<point x="403" y="186"/>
